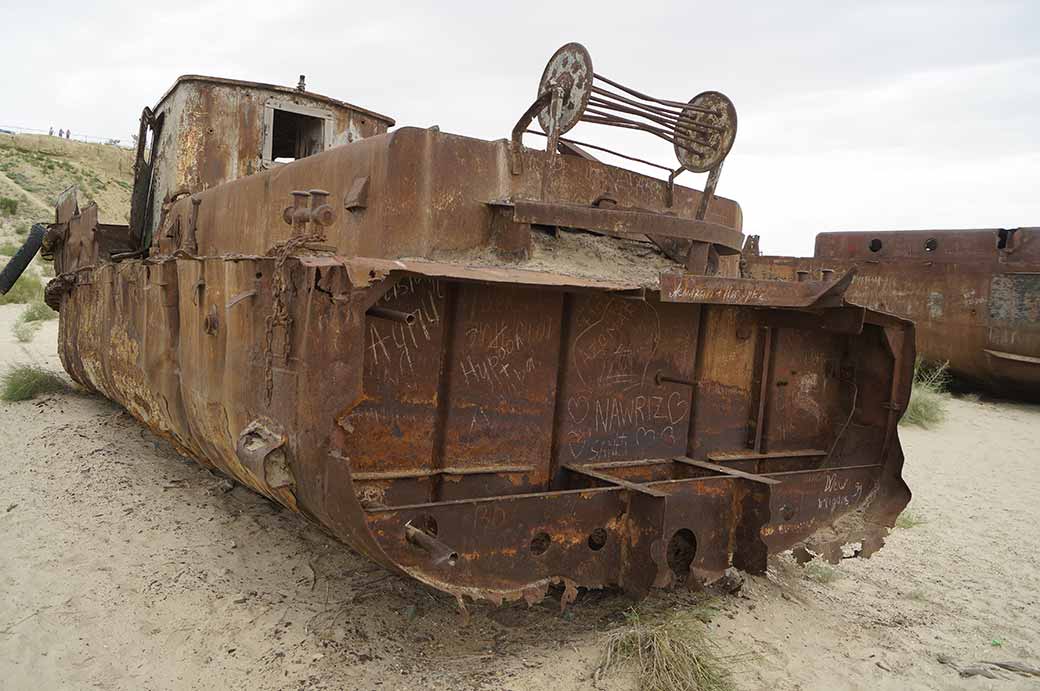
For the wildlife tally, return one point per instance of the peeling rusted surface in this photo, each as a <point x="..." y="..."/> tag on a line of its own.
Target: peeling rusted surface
<point x="215" y="130"/>
<point x="974" y="295"/>
<point x="494" y="428"/>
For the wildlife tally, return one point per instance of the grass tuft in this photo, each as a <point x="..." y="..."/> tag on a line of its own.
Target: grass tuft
<point x="37" y="311"/>
<point x="909" y="519"/>
<point x="671" y="655"/>
<point x="24" y="331"/>
<point x="821" y="572"/>
<point x="22" y="382"/>
<point x="27" y="288"/>
<point x="928" y="396"/>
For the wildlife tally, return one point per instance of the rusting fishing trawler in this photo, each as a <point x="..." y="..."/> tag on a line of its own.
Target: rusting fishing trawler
<point x="974" y="295"/>
<point x="493" y="368"/>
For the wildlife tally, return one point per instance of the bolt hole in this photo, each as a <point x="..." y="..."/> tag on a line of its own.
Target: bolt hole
<point x="930" y="244"/>
<point x="540" y="543"/>
<point x="681" y="550"/>
<point x="875" y="245"/>
<point x="259" y="275"/>
<point x="597" y="539"/>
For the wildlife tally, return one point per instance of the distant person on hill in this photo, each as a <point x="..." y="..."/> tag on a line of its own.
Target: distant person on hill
<point x="61" y="133"/>
<point x="68" y="134"/>
<point x="51" y="133"/>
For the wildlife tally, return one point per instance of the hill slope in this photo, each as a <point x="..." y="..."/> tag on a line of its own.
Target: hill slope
<point x="34" y="169"/>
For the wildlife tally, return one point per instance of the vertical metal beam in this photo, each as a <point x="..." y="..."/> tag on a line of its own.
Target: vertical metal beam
<point x="444" y="387"/>
<point x="559" y="404"/>
<point x="760" y="388"/>
<point x="700" y="316"/>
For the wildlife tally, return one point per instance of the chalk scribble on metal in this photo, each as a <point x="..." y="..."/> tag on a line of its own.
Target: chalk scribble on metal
<point x="490" y="367"/>
<point x="974" y="295"/>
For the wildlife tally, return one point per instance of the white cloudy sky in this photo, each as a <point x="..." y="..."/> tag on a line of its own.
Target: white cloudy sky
<point x="853" y="115"/>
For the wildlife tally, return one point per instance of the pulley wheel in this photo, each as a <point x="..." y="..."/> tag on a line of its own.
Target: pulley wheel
<point x="705" y="150"/>
<point x="570" y="68"/>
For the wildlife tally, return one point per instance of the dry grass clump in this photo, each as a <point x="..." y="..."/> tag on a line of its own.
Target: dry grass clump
<point x="928" y="395"/>
<point x="22" y="382"/>
<point x="674" y="654"/>
<point x="24" y="331"/>
<point x="821" y="573"/>
<point x="37" y="311"/>
<point x="909" y="519"/>
<point x="30" y="320"/>
<point x="27" y="288"/>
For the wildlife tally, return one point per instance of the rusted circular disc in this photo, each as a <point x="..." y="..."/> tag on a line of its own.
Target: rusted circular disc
<point x="704" y="150"/>
<point x="571" y="68"/>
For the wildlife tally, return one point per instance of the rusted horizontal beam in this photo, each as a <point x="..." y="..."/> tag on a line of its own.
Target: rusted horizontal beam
<point x="719" y="290"/>
<point x="725" y="471"/>
<point x="626" y="223"/>
<point x="1025" y="359"/>
<point x="364" y="271"/>
<point x="770" y="455"/>
<point x="492" y="499"/>
<point x="405" y="474"/>
<point x="603" y="477"/>
<point x="627" y="464"/>
<point x="790" y="473"/>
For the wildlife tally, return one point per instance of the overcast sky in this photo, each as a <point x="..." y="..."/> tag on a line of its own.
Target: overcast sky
<point x="858" y="115"/>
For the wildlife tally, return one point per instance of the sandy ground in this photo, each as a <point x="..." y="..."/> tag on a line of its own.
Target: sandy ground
<point x="127" y="567"/>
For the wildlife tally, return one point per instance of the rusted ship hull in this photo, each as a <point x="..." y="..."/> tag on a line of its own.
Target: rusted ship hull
<point x="974" y="295"/>
<point x="491" y="368"/>
<point x="488" y="430"/>
<point x="524" y="422"/>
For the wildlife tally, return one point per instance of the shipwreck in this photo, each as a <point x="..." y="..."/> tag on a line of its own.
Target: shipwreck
<point x="491" y="366"/>
<point x="973" y="294"/>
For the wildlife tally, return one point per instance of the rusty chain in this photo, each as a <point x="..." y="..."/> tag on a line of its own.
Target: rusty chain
<point x="279" y="306"/>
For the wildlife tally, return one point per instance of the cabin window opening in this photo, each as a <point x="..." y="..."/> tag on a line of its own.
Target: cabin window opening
<point x="1004" y="236"/>
<point x="930" y="245"/>
<point x="875" y="245"/>
<point x="294" y="135"/>
<point x="293" y="131"/>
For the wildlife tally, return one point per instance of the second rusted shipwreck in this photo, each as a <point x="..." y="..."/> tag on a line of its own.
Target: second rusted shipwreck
<point x="973" y="295"/>
<point x="493" y="368"/>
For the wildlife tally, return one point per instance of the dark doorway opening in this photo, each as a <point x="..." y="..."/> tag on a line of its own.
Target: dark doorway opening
<point x="295" y="136"/>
